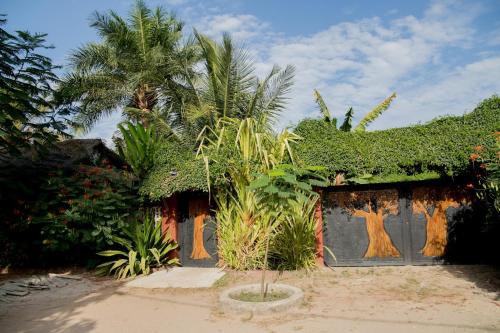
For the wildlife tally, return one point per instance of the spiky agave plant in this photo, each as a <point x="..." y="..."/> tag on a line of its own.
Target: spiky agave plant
<point x="143" y="248"/>
<point x="139" y="147"/>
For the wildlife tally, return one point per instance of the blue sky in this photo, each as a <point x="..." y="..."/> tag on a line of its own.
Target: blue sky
<point x="440" y="57"/>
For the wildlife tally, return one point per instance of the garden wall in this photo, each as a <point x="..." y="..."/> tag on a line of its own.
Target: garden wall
<point x="406" y="223"/>
<point x="384" y="224"/>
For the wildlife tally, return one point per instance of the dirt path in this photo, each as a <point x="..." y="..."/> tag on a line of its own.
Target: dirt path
<point x="382" y="299"/>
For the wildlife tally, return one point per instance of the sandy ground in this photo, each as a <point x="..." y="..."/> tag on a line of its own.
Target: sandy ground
<point x="382" y="299"/>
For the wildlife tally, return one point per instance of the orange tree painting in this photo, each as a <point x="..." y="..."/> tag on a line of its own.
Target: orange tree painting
<point x="199" y="209"/>
<point x="433" y="203"/>
<point x="373" y="207"/>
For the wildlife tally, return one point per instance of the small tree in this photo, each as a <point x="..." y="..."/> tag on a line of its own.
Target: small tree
<point x="282" y="192"/>
<point x="30" y="113"/>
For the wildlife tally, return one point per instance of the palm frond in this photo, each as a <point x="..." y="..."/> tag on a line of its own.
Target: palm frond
<point x="374" y="114"/>
<point x="324" y="109"/>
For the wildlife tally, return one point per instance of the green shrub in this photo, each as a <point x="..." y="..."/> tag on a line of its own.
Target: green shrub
<point x="294" y="243"/>
<point x="143" y="248"/>
<point x="64" y="217"/>
<point x="139" y="147"/>
<point x="240" y="230"/>
<point x="286" y="197"/>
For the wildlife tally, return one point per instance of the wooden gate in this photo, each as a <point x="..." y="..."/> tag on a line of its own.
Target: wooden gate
<point x="387" y="225"/>
<point x="197" y="241"/>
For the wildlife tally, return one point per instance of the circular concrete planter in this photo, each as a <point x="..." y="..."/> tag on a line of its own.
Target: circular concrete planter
<point x="230" y="304"/>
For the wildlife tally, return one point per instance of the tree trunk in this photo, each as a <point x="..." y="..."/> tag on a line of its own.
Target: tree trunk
<point x="437" y="228"/>
<point x="437" y="224"/>
<point x="380" y="244"/>
<point x="198" y="209"/>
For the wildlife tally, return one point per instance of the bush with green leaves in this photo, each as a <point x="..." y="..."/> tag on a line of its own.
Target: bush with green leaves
<point x="65" y="216"/>
<point x="241" y="230"/>
<point x="286" y="194"/>
<point x="142" y="248"/>
<point x="489" y="173"/>
<point x="139" y="147"/>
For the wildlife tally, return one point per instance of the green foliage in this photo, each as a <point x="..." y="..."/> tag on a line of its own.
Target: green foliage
<point x="489" y="167"/>
<point x="143" y="248"/>
<point x="66" y="216"/>
<point x="242" y="148"/>
<point x="374" y="114"/>
<point x="286" y="183"/>
<point x="139" y="148"/>
<point x="293" y="246"/>
<point x="29" y="113"/>
<point x="441" y="147"/>
<point x="241" y="230"/>
<point x="324" y="109"/>
<point x="285" y="194"/>
<point x="176" y="169"/>
<point x="229" y="88"/>
<point x="347" y="123"/>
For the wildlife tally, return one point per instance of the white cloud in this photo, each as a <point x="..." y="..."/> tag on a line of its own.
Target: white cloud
<point x="360" y="63"/>
<point x="241" y="27"/>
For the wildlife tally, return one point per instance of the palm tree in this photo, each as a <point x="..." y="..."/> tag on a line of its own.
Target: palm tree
<point x="139" y="67"/>
<point x="229" y="89"/>
<point x="347" y="123"/>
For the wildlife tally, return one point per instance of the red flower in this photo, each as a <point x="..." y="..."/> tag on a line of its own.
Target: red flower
<point x="474" y="156"/>
<point x="478" y="148"/>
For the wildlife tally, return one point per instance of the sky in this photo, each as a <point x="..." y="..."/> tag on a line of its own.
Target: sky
<point x="440" y="57"/>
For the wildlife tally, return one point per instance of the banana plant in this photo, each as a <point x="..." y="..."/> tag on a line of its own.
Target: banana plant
<point x="139" y="147"/>
<point x="347" y="123"/>
<point x="143" y="248"/>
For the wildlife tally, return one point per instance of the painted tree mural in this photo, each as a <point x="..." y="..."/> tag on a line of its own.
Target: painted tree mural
<point x="373" y="207"/>
<point x="433" y="203"/>
<point x="199" y="209"/>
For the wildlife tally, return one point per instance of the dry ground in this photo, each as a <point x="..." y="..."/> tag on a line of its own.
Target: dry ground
<point x="382" y="299"/>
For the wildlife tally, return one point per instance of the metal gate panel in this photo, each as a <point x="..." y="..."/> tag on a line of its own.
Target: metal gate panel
<point x="197" y="234"/>
<point x="389" y="225"/>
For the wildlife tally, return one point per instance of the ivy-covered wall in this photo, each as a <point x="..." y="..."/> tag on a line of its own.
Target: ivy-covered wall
<point x="438" y="148"/>
<point x="177" y="169"/>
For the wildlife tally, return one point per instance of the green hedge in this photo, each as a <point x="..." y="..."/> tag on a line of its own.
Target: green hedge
<point x="177" y="169"/>
<point x="440" y="147"/>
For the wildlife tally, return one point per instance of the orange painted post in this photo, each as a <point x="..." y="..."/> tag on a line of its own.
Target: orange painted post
<point x="169" y="219"/>
<point x="320" y="259"/>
